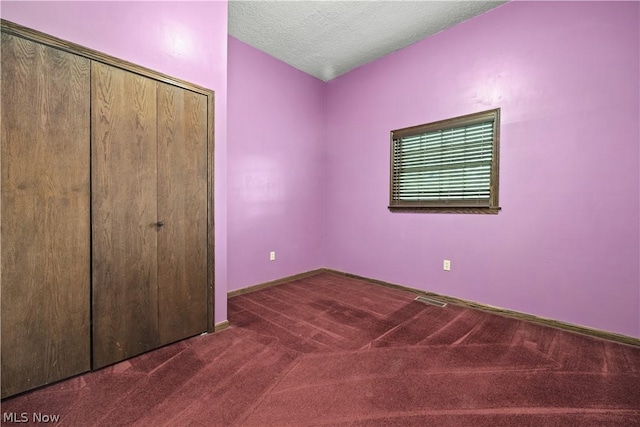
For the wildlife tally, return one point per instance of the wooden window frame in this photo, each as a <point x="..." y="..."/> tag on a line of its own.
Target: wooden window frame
<point x="454" y="206"/>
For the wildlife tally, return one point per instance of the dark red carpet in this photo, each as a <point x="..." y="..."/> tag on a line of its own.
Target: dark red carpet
<point x="333" y="351"/>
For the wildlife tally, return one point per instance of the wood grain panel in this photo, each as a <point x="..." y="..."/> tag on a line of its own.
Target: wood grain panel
<point x="211" y="286"/>
<point x="67" y="46"/>
<point x="124" y="211"/>
<point x="182" y="206"/>
<point x="54" y="42"/>
<point x="45" y="215"/>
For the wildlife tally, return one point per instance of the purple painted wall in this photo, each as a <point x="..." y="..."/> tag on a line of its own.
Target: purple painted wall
<point x="187" y="40"/>
<point x="276" y="134"/>
<point x="308" y="161"/>
<point x="566" y="244"/>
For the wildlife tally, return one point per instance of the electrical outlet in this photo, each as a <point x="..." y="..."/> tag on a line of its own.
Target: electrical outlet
<point x="272" y="256"/>
<point x="446" y="265"/>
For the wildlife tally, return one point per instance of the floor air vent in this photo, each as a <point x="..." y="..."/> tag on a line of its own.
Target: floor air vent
<point x="431" y="301"/>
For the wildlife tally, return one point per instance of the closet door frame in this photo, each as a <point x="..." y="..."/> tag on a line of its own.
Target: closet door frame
<point x="94" y="55"/>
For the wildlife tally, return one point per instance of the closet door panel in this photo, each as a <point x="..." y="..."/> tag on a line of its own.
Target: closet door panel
<point x="124" y="212"/>
<point x="182" y="206"/>
<point x="45" y="234"/>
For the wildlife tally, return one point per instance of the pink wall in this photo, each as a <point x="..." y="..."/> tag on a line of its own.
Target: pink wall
<point x="187" y="40"/>
<point x="276" y="133"/>
<point x="308" y="161"/>
<point x="566" y="244"/>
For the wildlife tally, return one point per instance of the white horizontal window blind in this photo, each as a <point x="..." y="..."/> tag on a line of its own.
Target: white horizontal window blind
<point x="452" y="163"/>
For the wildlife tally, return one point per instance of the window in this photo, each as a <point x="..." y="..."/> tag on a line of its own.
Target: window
<point x="447" y="166"/>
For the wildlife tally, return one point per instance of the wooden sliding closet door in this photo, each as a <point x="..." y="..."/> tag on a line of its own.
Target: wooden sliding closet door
<point x="45" y="215"/>
<point x="182" y="206"/>
<point x="124" y="211"/>
<point x="149" y="208"/>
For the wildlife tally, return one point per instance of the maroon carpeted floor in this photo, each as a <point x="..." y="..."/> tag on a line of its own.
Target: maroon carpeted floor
<point x="333" y="351"/>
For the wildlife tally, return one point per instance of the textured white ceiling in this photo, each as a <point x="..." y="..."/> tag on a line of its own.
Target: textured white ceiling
<point x="329" y="38"/>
